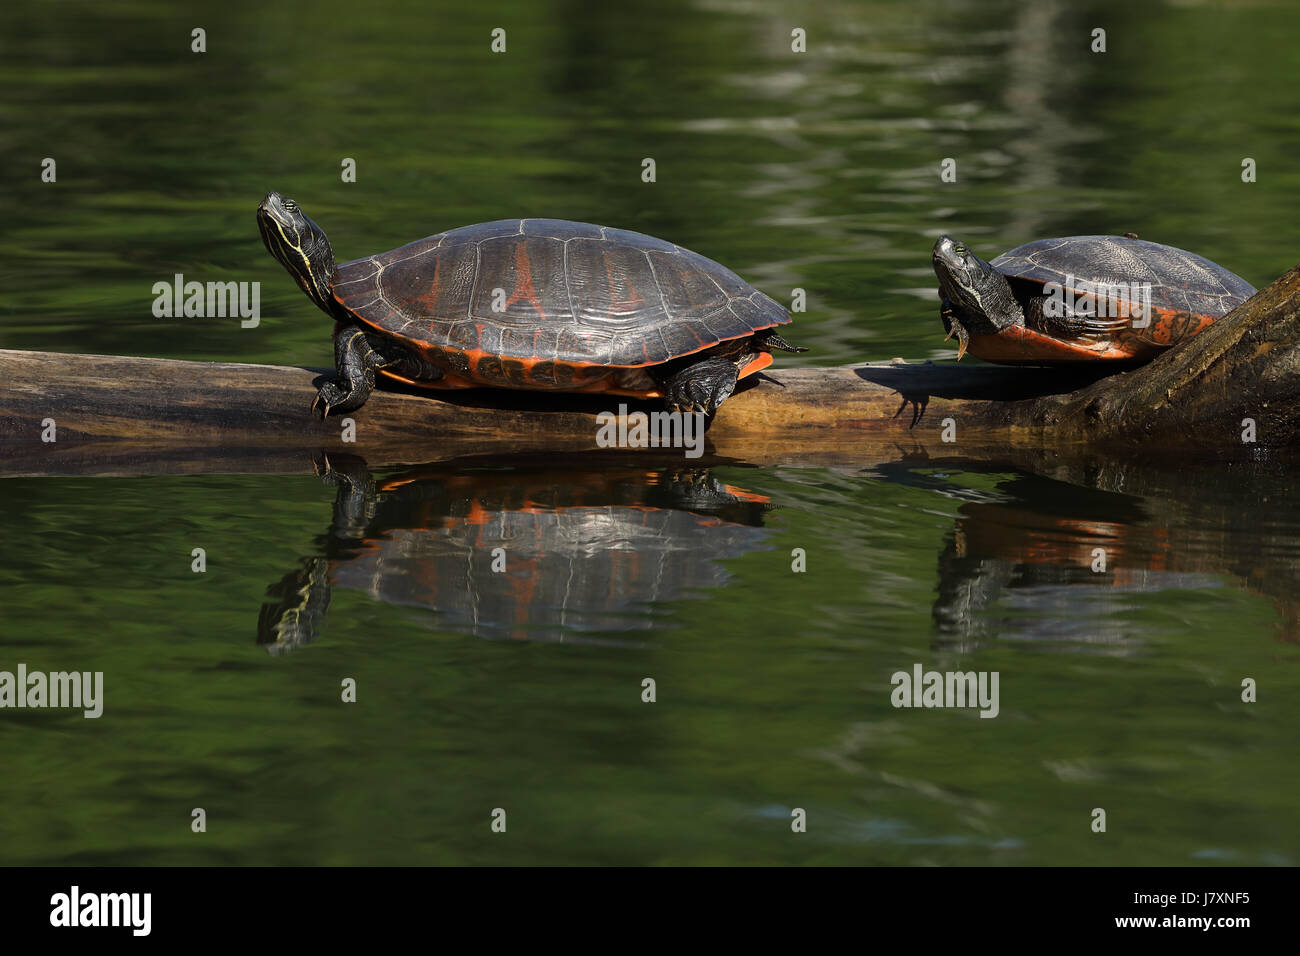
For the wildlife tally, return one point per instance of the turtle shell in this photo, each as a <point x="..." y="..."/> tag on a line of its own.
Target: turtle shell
<point x="534" y="302"/>
<point x="1113" y="275"/>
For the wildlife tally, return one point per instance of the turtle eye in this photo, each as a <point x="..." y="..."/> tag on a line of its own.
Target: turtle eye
<point x="290" y="205"/>
<point x="961" y="250"/>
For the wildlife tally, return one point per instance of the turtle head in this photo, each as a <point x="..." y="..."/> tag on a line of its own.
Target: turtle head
<point x="300" y="245"/>
<point x="977" y="298"/>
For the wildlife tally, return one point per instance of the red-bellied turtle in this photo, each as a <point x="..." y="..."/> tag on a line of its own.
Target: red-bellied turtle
<point x="1080" y="299"/>
<point x="542" y="304"/>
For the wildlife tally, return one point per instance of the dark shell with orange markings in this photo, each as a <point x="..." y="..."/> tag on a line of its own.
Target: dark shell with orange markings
<point x="561" y="303"/>
<point x="1187" y="294"/>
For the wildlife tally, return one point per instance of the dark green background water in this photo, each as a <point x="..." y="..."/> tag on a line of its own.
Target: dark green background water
<point x="1118" y="690"/>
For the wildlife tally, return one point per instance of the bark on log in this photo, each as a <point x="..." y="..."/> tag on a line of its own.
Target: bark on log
<point x="117" y="410"/>
<point x="112" y="406"/>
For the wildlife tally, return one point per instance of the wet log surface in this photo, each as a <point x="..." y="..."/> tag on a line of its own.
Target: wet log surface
<point x="110" y="409"/>
<point x="131" y="415"/>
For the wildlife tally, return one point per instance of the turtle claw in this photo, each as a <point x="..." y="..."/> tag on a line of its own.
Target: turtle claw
<point x="329" y="397"/>
<point x="963" y="339"/>
<point x="696" y="405"/>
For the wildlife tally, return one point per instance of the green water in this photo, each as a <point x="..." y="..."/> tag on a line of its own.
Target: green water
<point x="1119" y="689"/>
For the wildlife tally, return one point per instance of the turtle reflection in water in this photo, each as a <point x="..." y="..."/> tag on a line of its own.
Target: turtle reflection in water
<point x="1029" y="567"/>
<point x="1022" y="571"/>
<point x="585" y="552"/>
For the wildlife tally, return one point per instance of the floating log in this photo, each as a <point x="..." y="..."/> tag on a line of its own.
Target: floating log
<point x="110" y="411"/>
<point x="115" y="410"/>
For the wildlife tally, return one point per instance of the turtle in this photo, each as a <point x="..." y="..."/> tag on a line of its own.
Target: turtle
<point x="1080" y="299"/>
<point x="535" y="304"/>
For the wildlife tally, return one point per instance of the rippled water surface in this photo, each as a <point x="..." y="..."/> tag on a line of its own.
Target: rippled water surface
<point x="1120" y="687"/>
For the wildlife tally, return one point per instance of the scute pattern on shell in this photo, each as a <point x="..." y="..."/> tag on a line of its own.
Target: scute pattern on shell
<point x="1180" y="281"/>
<point x="572" y="292"/>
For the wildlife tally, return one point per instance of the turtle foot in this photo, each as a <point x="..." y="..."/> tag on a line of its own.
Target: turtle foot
<point x="963" y="338"/>
<point x="333" y="398"/>
<point x="702" y="387"/>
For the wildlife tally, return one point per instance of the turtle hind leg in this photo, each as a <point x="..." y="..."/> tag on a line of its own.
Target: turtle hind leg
<point x="704" y="384"/>
<point x="701" y="386"/>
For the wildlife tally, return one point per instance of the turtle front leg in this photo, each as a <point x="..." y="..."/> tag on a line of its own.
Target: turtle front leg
<point x="954" y="327"/>
<point x="701" y="387"/>
<point x="355" y="360"/>
<point x="963" y="338"/>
